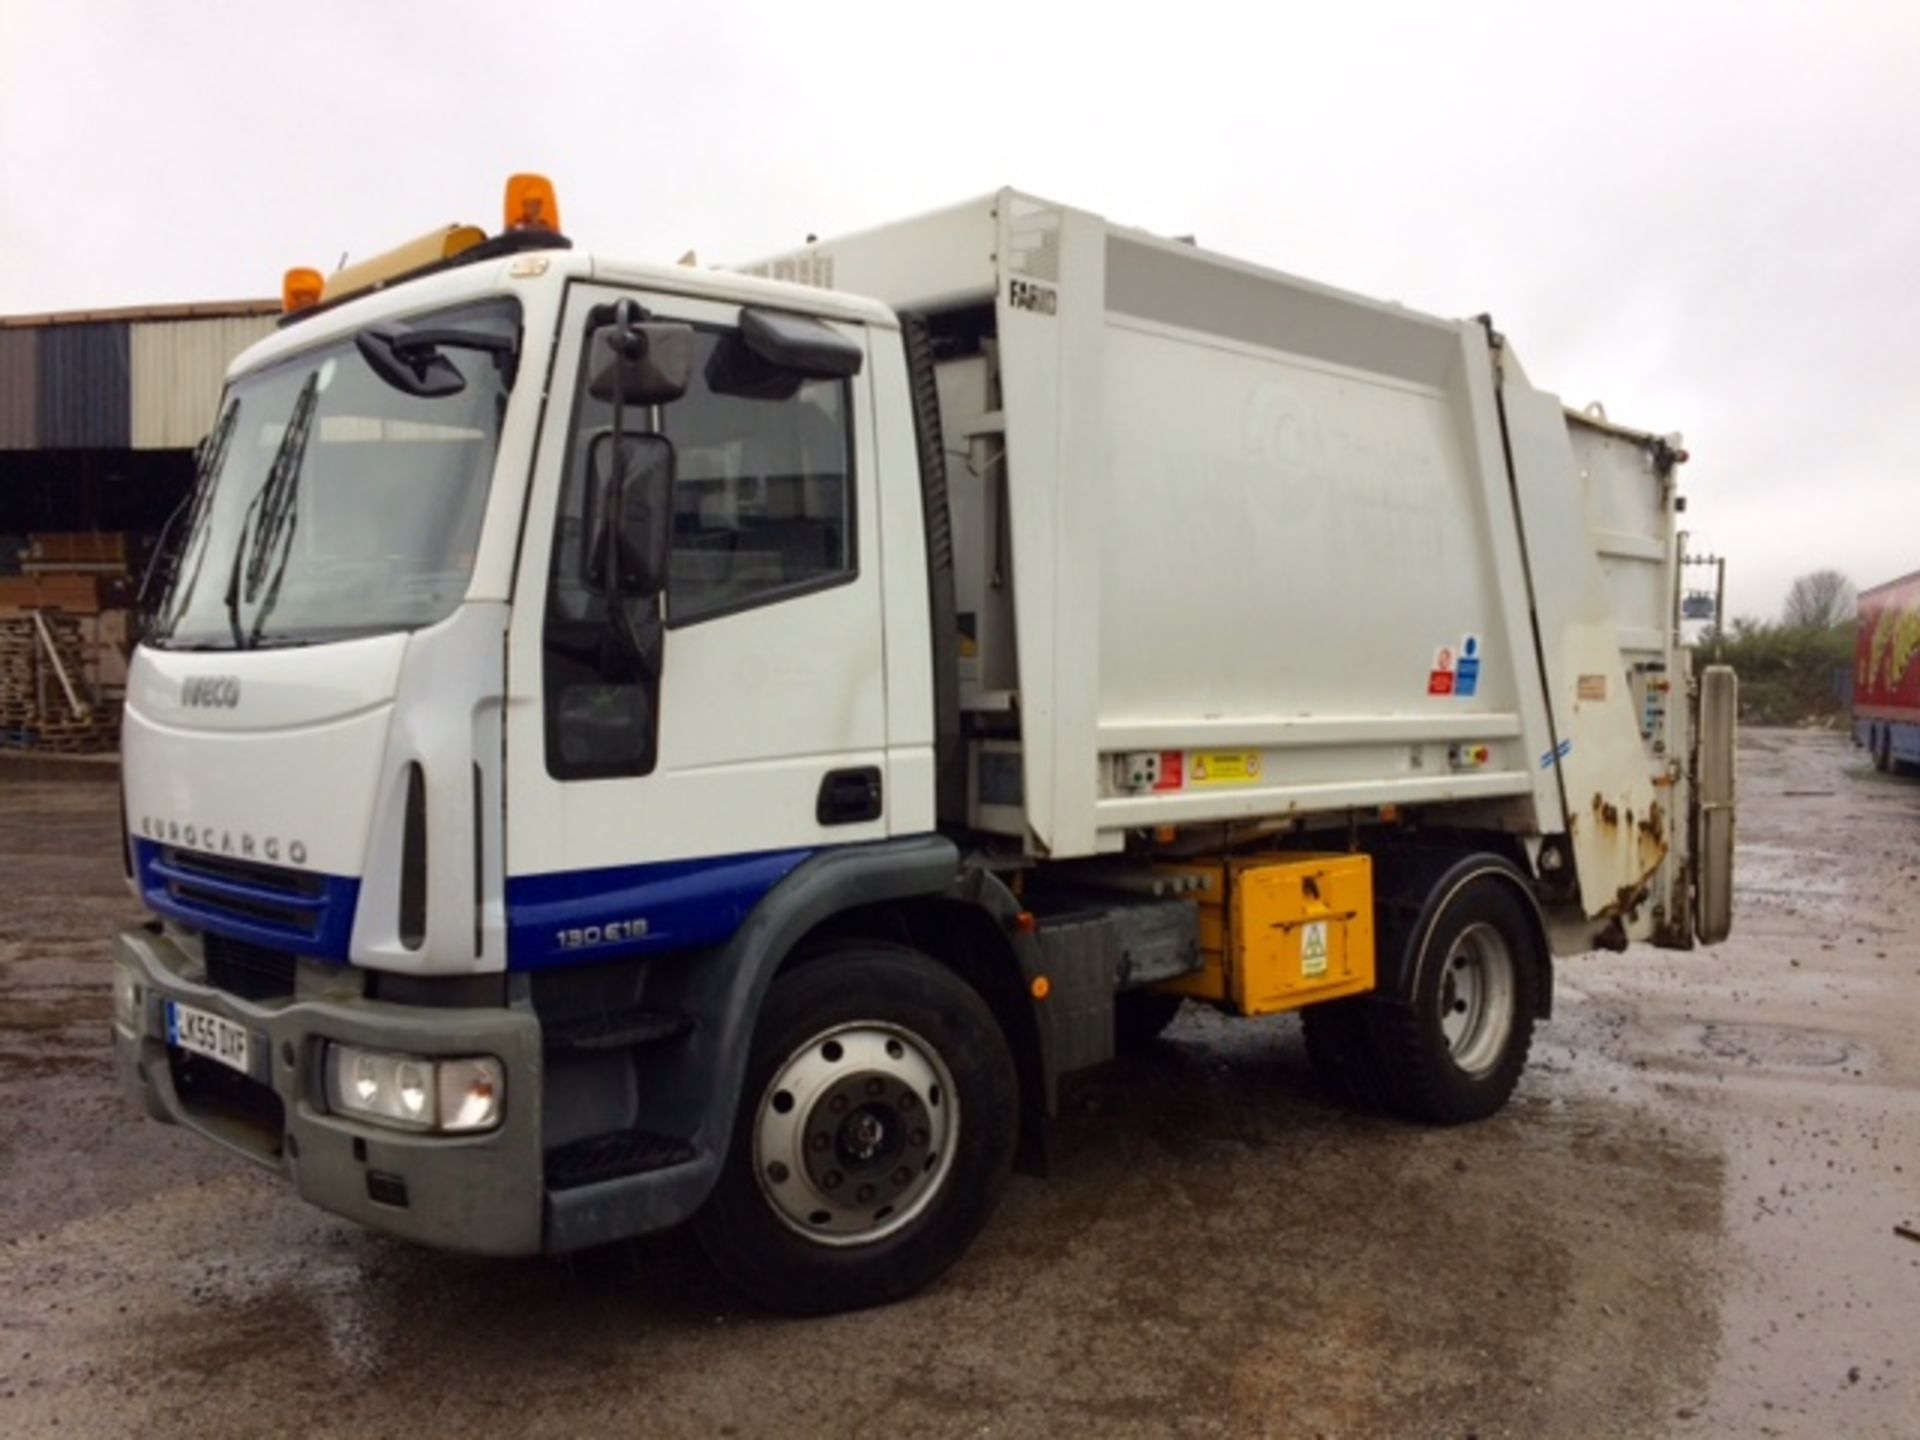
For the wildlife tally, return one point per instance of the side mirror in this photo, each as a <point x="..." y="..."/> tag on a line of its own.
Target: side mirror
<point x="641" y="364"/>
<point x="630" y="514"/>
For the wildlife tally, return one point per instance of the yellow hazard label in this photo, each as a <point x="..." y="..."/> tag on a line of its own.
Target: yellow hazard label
<point x="1313" y="950"/>
<point x="1224" y="767"/>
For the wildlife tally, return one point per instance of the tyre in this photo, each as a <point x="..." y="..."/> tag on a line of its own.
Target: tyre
<point x="1882" y="749"/>
<point x="1141" y="1016"/>
<point x="875" y="1132"/>
<point x="1456" y="1052"/>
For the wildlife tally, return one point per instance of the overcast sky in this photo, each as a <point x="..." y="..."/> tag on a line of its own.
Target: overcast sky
<point x="1707" y="216"/>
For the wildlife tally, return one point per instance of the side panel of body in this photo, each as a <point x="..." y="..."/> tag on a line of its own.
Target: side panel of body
<point x="1308" y="549"/>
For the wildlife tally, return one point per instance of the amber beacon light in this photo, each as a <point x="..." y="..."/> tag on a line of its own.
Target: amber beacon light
<point x="301" y="289"/>
<point x="531" y="204"/>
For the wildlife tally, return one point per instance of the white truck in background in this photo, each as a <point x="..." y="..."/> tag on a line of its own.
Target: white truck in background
<point x="625" y="744"/>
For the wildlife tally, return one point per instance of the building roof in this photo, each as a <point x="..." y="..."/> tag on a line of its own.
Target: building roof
<point x="139" y="314"/>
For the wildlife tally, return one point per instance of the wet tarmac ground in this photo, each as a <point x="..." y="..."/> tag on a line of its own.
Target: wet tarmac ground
<point x="1685" y="1225"/>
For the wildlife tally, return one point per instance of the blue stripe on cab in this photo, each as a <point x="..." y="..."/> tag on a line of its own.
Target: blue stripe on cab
<point x="583" y="917"/>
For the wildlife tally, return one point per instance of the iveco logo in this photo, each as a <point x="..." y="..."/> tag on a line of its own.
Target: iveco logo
<point x="210" y="692"/>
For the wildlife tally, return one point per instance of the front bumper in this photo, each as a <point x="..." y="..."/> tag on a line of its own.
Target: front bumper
<point x="477" y="1193"/>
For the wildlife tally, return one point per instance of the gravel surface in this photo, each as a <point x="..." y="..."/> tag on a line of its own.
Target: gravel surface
<point x="1684" y="1225"/>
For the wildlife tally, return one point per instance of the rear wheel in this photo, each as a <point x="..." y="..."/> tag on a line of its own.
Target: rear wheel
<point x="876" y="1128"/>
<point x="1456" y="1052"/>
<point x="1882" y="749"/>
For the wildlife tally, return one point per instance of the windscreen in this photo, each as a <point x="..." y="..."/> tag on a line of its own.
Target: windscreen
<point x="332" y="503"/>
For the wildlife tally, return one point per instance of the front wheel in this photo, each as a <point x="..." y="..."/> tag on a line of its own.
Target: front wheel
<point x="875" y="1131"/>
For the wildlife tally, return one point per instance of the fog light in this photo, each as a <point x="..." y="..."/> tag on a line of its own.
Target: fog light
<point x="126" y="999"/>
<point x="410" y="1092"/>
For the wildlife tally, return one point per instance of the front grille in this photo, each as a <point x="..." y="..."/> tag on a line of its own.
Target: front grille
<point x="253" y="972"/>
<point x="270" y="898"/>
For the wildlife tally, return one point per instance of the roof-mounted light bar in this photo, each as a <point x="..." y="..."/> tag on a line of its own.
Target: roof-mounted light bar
<point x="532" y="219"/>
<point x="418" y="253"/>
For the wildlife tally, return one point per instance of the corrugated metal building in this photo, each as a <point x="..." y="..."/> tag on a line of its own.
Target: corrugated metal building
<point x="177" y="369"/>
<point x="19" y="389"/>
<point x="85" y="383"/>
<point x="100" y="411"/>
<point x="140" y="379"/>
<point x="99" y="415"/>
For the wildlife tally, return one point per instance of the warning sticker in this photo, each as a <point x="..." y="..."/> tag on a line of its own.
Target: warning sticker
<point x="1440" y="678"/>
<point x="1313" y="950"/>
<point x="1591" y="687"/>
<point x="1224" y="767"/>
<point x="1466" y="678"/>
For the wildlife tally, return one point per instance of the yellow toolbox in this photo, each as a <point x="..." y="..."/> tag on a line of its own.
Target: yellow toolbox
<point x="1279" y="931"/>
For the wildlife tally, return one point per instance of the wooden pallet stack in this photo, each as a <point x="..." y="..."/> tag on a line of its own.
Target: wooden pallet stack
<point x="44" y="699"/>
<point x="62" y="645"/>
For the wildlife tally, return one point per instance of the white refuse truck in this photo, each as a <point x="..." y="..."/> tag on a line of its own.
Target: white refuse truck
<point x="622" y="745"/>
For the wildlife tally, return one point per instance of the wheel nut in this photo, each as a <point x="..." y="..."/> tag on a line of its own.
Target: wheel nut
<point x="908" y="1100"/>
<point x="919" y="1137"/>
<point x="863" y="1194"/>
<point x="876" y="1086"/>
<point x="821" y="1141"/>
<point x="837" y="1104"/>
<point x="832" y="1179"/>
<point x="902" y="1175"/>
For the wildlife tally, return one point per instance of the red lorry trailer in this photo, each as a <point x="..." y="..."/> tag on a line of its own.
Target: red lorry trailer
<point x="1886" y="682"/>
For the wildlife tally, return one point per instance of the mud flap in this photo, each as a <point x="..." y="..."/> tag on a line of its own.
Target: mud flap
<point x="1718" y="701"/>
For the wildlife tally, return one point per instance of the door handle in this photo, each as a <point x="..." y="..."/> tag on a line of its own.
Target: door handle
<point x="849" y="796"/>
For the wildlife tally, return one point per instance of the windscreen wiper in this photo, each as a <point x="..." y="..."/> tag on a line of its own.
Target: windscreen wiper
<point x="210" y="461"/>
<point x="275" y="503"/>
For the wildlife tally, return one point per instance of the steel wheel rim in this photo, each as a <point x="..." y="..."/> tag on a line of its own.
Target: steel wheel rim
<point x="1477" y="997"/>
<point x="854" y="1135"/>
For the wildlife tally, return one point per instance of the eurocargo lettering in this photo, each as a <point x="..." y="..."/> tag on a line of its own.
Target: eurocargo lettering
<point x="753" y="745"/>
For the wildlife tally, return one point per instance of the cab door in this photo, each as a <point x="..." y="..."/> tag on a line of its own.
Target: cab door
<point x="651" y="813"/>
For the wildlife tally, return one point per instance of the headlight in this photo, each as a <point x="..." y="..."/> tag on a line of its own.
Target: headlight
<point x="410" y="1092"/>
<point x="126" y="998"/>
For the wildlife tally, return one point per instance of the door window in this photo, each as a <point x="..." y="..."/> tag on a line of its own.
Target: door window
<point x="763" y="512"/>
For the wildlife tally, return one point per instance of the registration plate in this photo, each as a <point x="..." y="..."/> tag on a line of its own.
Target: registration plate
<point x="204" y="1033"/>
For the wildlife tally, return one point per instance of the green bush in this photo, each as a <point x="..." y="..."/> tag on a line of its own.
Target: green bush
<point x="1789" y="675"/>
